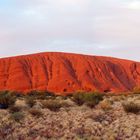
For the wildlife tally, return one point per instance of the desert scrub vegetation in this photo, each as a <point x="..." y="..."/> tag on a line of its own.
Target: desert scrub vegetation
<point x="131" y="107"/>
<point x="35" y="112"/>
<point x="41" y="94"/>
<point x="17" y="116"/>
<point x="6" y="99"/>
<point x="78" y="98"/>
<point x="53" y="105"/>
<point x="90" y="99"/>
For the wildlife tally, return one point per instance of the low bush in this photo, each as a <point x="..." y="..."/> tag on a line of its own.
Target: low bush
<point x="53" y="105"/>
<point x="35" y="112"/>
<point x="6" y="99"/>
<point x="17" y="116"/>
<point x="131" y="107"/>
<point x="79" y="98"/>
<point x="90" y="99"/>
<point x="30" y="101"/>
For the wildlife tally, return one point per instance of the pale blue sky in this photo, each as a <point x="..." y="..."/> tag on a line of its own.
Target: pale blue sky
<point x="96" y="27"/>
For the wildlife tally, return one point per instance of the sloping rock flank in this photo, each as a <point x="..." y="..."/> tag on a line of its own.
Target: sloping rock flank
<point x="64" y="72"/>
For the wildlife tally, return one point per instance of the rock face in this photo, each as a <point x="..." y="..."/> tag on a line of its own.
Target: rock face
<point x="62" y="72"/>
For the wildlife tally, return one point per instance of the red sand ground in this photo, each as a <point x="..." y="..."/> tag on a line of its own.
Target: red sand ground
<point x="62" y="72"/>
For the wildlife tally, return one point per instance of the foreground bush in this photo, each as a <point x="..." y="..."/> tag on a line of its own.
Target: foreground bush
<point x="6" y="99"/>
<point x="131" y="107"/>
<point x="90" y="99"/>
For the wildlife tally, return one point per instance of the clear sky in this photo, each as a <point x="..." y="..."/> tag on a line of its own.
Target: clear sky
<point x="96" y="27"/>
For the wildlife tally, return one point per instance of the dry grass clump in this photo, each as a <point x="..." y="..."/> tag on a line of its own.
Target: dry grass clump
<point x="35" y="112"/>
<point x="131" y="107"/>
<point x="90" y="99"/>
<point x="6" y="99"/>
<point x="53" y="105"/>
<point x="17" y="116"/>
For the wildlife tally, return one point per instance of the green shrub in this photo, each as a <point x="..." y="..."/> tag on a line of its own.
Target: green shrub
<point x="35" y="112"/>
<point x="131" y="107"/>
<point x="6" y="99"/>
<point x="53" y="105"/>
<point x="30" y="101"/>
<point x="17" y="116"/>
<point x="90" y="99"/>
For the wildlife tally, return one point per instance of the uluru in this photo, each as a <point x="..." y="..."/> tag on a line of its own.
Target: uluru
<point x="66" y="72"/>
